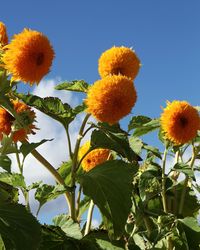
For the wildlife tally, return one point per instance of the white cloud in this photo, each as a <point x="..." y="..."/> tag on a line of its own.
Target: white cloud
<point x="55" y="151"/>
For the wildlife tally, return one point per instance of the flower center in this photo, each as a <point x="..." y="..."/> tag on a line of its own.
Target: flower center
<point x="117" y="71"/>
<point x="183" y="122"/>
<point x="39" y="58"/>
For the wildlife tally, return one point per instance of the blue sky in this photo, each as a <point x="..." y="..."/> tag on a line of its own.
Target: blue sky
<point x="164" y="34"/>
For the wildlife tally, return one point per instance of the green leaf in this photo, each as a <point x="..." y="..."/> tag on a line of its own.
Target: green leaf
<point x="8" y="193"/>
<point x="51" y="106"/>
<point x="136" y="144"/>
<point x="101" y="239"/>
<point x="192" y="231"/>
<point x="5" y="163"/>
<point x="46" y="193"/>
<point x="110" y="187"/>
<point x="14" y="179"/>
<point x="76" y="85"/>
<point x="143" y="126"/>
<point x="155" y="151"/>
<point x="84" y="205"/>
<point x="138" y="121"/>
<point x="184" y="168"/>
<point x="26" y="148"/>
<point x="113" y="138"/>
<point x="65" y="171"/>
<point x="18" y="227"/>
<point x="71" y="228"/>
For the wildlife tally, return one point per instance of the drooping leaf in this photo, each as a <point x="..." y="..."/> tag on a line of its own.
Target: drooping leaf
<point x="76" y="85"/>
<point x="51" y="106"/>
<point x="26" y="147"/>
<point x="110" y="186"/>
<point x="18" y="228"/>
<point x="5" y="163"/>
<point x="155" y="151"/>
<point x="117" y="142"/>
<point x="84" y="205"/>
<point x="71" y="228"/>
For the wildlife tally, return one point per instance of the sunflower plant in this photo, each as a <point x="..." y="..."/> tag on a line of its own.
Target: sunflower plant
<point x="147" y="197"/>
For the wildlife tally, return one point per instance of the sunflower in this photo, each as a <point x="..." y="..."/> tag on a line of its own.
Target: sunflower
<point x="5" y="123"/>
<point x="28" y="117"/>
<point x="94" y="158"/>
<point x="28" y="57"/>
<point x="8" y="123"/>
<point x="180" y="122"/>
<point x="111" y="98"/>
<point x="119" y="60"/>
<point x="3" y="35"/>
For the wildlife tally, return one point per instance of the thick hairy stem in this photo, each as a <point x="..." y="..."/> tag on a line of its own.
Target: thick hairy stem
<point x="186" y="182"/>
<point x="74" y="167"/>
<point x="164" y="201"/>
<point x="69" y="143"/>
<point x="89" y="218"/>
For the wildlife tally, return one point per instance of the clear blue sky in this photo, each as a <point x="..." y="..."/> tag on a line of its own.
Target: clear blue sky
<point x="165" y="35"/>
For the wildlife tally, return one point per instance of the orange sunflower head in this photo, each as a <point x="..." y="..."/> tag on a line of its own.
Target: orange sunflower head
<point x="111" y="98"/>
<point x="180" y="122"/>
<point x="28" y="117"/>
<point x="28" y="57"/>
<point x="119" y="60"/>
<point x="94" y="158"/>
<point x="5" y="123"/>
<point x="3" y="35"/>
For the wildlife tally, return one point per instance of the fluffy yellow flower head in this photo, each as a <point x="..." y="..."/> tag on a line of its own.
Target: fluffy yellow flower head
<point x="3" y="35"/>
<point x="111" y="98"/>
<point x="28" y="57"/>
<point x="94" y="158"/>
<point x="180" y="122"/>
<point x="119" y="60"/>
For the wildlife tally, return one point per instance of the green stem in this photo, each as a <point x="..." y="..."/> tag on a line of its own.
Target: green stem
<point x="52" y="170"/>
<point x="69" y="142"/>
<point x="164" y="201"/>
<point x="89" y="218"/>
<point x="78" y="201"/>
<point x="147" y="223"/>
<point x="186" y="181"/>
<point x="74" y="167"/>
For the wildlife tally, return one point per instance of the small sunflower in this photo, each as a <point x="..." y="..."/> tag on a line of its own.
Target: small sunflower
<point x="94" y="158"/>
<point x="3" y="35"/>
<point x="119" y="60"/>
<point x="111" y="98"/>
<point x="28" y="117"/>
<point x="5" y="123"/>
<point x="180" y="122"/>
<point x="28" y="57"/>
<point x="8" y="123"/>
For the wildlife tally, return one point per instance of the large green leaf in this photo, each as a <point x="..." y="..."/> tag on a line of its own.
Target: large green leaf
<point x="51" y="106"/>
<point x="138" y="121"/>
<point x="110" y="187"/>
<point x="14" y="179"/>
<point x="65" y="171"/>
<point x="71" y="228"/>
<point x="18" y="228"/>
<point x="76" y="85"/>
<point x="116" y="141"/>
